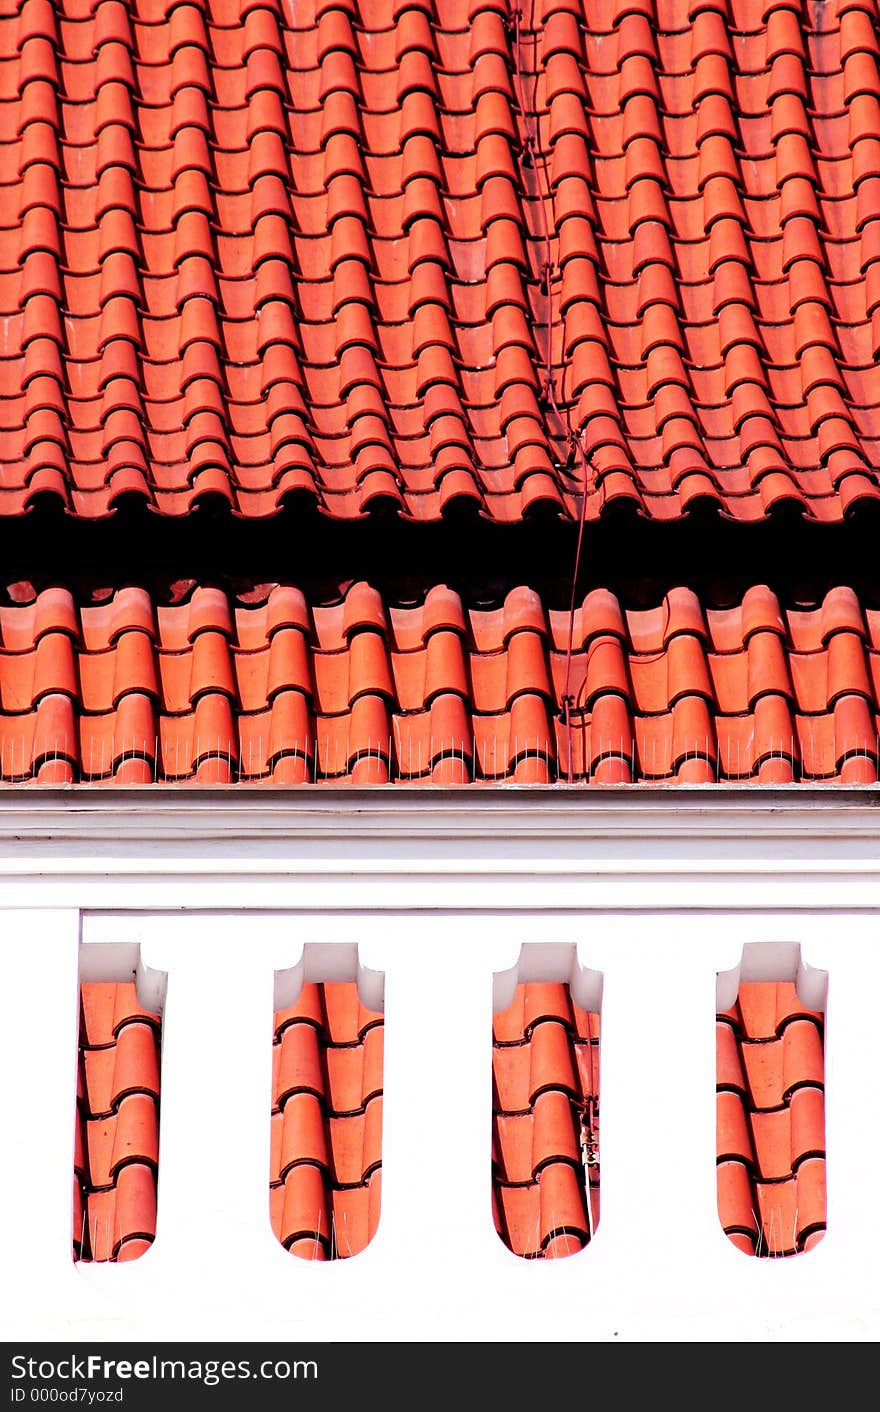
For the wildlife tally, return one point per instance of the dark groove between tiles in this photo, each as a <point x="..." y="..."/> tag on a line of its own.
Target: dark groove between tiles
<point x="637" y="559"/>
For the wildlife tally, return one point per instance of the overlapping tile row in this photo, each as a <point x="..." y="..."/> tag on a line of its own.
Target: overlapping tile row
<point x="401" y="253"/>
<point x="771" y="1121"/>
<point x="117" y="1124"/>
<point x="545" y="1122"/>
<point x="290" y="691"/>
<point x="326" y="1165"/>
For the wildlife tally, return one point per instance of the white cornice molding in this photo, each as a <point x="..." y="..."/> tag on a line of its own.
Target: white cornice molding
<point x="155" y="813"/>
<point x="416" y="849"/>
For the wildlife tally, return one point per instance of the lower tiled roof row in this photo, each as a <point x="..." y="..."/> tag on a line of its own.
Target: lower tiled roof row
<point x="326" y="1122"/>
<point x="285" y="688"/>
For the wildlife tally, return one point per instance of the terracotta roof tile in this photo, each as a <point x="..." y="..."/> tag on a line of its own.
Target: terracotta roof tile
<point x="326" y="1122"/>
<point x="282" y="687"/>
<point x="117" y="1129"/>
<point x="545" y="1124"/>
<point x="771" y="1120"/>
<point x="248" y="253"/>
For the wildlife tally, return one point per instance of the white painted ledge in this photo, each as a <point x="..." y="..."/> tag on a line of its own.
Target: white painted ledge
<point x="416" y="849"/>
<point x="214" y="811"/>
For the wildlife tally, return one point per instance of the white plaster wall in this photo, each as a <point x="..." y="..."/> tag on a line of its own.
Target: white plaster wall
<point x="454" y="916"/>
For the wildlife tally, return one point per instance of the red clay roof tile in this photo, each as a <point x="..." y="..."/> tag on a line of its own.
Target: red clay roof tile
<point x="117" y="1132"/>
<point x="326" y="1122"/>
<point x="771" y="1120"/>
<point x="545" y="1132"/>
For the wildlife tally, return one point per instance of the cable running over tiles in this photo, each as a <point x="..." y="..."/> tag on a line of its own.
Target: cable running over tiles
<point x="535" y="157"/>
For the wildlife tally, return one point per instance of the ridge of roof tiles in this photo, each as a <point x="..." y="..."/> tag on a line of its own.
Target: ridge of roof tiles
<point x="367" y="691"/>
<point x="377" y="253"/>
<point x="117" y="1124"/>
<point x="545" y="1122"/>
<point x="771" y="1121"/>
<point x="326" y="1162"/>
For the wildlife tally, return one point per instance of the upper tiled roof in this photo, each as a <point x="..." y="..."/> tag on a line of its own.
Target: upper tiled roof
<point x="286" y="689"/>
<point x="398" y="252"/>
